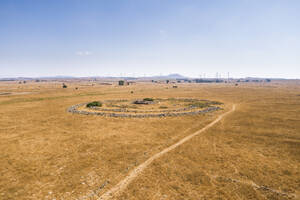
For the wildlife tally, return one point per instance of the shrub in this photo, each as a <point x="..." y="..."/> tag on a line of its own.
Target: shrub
<point x="148" y="99"/>
<point x="163" y="107"/>
<point x="93" y="104"/>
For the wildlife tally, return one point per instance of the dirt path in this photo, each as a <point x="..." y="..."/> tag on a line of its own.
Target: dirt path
<point x="123" y="184"/>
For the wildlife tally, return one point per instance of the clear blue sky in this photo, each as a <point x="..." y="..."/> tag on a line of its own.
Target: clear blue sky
<point x="137" y="37"/>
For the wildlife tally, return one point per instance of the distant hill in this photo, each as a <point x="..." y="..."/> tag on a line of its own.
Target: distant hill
<point x="175" y="76"/>
<point x="56" y="77"/>
<point x="170" y="76"/>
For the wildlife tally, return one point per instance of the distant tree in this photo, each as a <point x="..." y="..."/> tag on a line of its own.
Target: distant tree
<point x="64" y="85"/>
<point x="167" y="81"/>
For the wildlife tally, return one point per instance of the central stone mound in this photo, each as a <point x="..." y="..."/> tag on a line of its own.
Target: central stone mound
<point x="145" y="101"/>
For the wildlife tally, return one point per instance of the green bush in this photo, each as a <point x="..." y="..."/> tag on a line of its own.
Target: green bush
<point x="93" y="104"/>
<point x="148" y="99"/>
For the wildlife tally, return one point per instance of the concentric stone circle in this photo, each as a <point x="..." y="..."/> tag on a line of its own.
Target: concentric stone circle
<point x="135" y="112"/>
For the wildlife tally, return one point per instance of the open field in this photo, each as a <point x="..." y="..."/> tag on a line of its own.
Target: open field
<point x="49" y="153"/>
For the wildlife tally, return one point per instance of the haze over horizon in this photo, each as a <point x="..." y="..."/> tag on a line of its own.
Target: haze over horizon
<point x="137" y="38"/>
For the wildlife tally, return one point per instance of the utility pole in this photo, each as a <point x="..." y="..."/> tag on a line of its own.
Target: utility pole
<point x="228" y="78"/>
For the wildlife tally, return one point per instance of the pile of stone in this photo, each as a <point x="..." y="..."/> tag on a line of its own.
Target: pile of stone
<point x="143" y="102"/>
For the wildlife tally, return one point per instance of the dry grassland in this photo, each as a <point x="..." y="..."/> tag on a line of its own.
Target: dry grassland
<point x="48" y="153"/>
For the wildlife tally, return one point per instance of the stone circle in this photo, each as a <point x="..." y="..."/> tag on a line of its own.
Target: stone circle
<point x="125" y="108"/>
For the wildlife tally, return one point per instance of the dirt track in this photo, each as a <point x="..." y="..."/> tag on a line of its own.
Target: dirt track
<point x="123" y="184"/>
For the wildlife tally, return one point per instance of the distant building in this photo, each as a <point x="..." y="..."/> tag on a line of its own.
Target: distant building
<point x="124" y="82"/>
<point x="130" y="82"/>
<point x="121" y="82"/>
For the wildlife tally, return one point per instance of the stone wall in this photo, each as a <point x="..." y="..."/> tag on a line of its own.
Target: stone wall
<point x="74" y="109"/>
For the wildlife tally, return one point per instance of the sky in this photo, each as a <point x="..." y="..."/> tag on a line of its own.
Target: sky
<point x="196" y="38"/>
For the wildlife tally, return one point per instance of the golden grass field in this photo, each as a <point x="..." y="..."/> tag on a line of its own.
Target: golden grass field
<point x="49" y="153"/>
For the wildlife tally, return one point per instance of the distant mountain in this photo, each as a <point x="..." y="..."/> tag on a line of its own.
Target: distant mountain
<point x="16" y="79"/>
<point x="262" y="78"/>
<point x="56" y="77"/>
<point x="170" y="76"/>
<point x="175" y="76"/>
